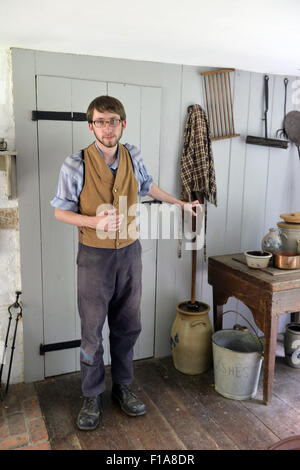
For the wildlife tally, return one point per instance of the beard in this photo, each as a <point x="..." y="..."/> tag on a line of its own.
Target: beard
<point x="109" y="142"/>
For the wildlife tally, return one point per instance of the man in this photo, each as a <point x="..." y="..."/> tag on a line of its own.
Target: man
<point x="109" y="265"/>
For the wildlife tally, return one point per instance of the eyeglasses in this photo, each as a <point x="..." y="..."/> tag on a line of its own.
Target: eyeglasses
<point x="102" y="123"/>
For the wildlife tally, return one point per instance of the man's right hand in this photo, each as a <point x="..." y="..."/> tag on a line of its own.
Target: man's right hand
<point x="108" y="220"/>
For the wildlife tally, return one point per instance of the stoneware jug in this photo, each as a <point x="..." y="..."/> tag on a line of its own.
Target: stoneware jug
<point x="291" y="233"/>
<point x="272" y="241"/>
<point x="190" y="339"/>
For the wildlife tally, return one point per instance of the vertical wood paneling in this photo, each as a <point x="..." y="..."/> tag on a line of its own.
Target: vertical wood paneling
<point x="277" y="197"/>
<point x="150" y="128"/>
<point x="150" y="106"/>
<point x="59" y="299"/>
<point x="216" y="216"/>
<point x="236" y="175"/>
<point x="169" y="181"/>
<point x="255" y="177"/>
<point x="83" y="92"/>
<point x="250" y="191"/>
<point x="256" y="172"/>
<point x="237" y="165"/>
<point x="130" y="97"/>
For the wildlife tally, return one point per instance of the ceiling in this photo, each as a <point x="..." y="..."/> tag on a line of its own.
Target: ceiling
<point x="255" y="35"/>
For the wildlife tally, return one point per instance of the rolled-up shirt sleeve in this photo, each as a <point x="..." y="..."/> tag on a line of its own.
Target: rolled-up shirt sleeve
<point x="69" y="185"/>
<point x="144" y="179"/>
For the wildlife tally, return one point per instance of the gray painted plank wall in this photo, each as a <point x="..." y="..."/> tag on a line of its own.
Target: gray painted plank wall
<point x="255" y="184"/>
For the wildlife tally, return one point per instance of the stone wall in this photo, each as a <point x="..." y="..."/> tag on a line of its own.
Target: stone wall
<point x="10" y="279"/>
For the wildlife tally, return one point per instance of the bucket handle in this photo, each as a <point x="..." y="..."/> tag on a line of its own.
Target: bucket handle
<point x="256" y="335"/>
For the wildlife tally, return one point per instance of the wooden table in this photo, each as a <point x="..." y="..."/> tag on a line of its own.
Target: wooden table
<point x="266" y="295"/>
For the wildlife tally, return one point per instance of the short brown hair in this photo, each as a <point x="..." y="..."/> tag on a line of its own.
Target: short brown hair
<point x="105" y="103"/>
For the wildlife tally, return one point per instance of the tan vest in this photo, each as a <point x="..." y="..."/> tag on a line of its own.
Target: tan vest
<point x="102" y="188"/>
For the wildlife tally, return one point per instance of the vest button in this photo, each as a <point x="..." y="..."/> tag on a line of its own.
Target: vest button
<point x="115" y="190"/>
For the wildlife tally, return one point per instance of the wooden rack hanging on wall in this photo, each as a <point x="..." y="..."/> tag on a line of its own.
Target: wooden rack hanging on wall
<point x="219" y="108"/>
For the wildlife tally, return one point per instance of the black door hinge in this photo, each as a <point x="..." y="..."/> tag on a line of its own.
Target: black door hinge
<point x="59" y="346"/>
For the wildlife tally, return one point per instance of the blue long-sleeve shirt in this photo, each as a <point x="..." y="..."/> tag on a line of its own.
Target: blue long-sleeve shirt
<point x="71" y="177"/>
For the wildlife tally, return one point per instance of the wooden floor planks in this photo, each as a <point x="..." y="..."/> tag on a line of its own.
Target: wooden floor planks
<point x="184" y="412"/>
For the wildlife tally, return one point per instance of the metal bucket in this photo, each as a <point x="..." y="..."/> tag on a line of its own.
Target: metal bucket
<point x="237" y="359"/>
<point x="292" y="345"/>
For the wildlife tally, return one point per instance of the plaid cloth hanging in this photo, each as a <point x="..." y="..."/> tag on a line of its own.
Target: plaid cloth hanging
<point x="197" y="165"/>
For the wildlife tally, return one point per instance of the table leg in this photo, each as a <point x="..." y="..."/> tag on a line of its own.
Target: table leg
<point x="219" y="299"/>
<point x="218" y="318"/>
<point x="270" y="342"/>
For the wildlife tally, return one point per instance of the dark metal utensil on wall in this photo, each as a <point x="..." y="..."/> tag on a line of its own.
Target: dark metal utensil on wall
<point x="18" y="315"/>
<point x="281" y="132"/>
<point x="265" y="141"/>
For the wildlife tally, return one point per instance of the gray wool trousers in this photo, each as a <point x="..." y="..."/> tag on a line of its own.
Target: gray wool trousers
<point x="108" y="284"/>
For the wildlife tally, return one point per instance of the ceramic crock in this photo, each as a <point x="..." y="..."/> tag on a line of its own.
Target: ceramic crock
<point x="190" y="339"/>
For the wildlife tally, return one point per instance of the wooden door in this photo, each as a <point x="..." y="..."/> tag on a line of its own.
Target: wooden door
<point x="56" y="140"/>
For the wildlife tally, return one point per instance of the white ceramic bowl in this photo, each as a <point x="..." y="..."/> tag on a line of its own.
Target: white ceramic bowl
<point x="257" y="259"/>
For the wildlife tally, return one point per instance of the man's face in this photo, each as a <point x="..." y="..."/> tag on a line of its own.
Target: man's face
<point x="107" y="136"/>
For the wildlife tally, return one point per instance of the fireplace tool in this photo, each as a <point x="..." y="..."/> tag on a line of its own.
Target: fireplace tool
<point x="282" y="132"/>
<point x="15" y="305"/>
<point x="265" y="140"/>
